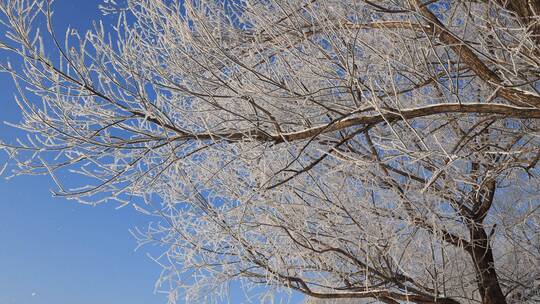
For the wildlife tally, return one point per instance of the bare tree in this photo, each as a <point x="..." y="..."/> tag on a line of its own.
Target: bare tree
<point x="385" y="150"/>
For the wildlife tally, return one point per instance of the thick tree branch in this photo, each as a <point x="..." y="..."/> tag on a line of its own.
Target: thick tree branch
<point x="468" y="57"/>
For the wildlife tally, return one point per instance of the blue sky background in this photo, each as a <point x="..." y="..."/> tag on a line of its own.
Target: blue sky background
<point x="58" y="251"/>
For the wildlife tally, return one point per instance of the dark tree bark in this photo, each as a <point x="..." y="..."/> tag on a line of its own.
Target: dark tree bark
<point x="481" y="251"/>
<point x="482" y="256"/>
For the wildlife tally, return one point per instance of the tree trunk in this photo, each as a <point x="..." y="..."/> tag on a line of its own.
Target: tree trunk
<point x="481" y="253"/>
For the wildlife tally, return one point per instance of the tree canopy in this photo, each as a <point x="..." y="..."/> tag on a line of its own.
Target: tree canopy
<point x="344" y="149"/>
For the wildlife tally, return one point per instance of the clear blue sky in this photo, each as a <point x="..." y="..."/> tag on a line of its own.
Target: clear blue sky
<point x="54" y="251"/>
<point x="63" y="252"/>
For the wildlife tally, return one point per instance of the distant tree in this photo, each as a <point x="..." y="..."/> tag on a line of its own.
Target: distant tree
<point x="345" y="149"/>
